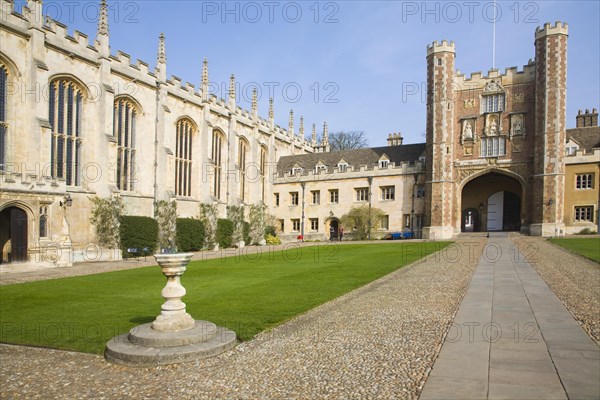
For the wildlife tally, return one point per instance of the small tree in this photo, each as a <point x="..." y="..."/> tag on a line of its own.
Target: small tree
<point x="209" y="216"/>
<point x="106" y="216"/>
<point x="259" y="220"/>
<point x="165" y="214"/>
<point x="236" y="215"/>
<point x="357" y="220"/>
<point x="347" y="140"/>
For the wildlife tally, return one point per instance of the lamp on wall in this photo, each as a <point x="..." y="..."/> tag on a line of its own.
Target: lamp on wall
<point x="480" y="208"/>
<point x="66" y="201"/>
<point x="330" y="214"/>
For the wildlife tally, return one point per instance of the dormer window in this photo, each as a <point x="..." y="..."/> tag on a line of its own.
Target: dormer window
<point x="342" y="165"/>
<point x="297" y="170"/>
<point x="384" y="163"/>
<point x="320" y="167"/>
<point x="571" y="150"/>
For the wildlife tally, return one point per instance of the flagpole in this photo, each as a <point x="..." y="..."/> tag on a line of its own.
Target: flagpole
<point x="494" y="38"/>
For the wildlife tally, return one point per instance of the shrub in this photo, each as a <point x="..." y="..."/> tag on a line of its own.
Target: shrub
<point x="209" y="214"/>
<point x="587" y="231"/>
<point x="106" y="214"/>
<point x="139" y="233"/>
<point x="224" y="235"/>
<point x="270" y="230"/>
<point x="272" y="240"/>
<point x="246" y="233"/>
<point x="190" y="234"/>
<point x="358" y="218"/>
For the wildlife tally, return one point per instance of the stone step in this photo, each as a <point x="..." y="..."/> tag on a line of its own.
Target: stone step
<point x="144" y="335"/>
<point x="120" y="350"/>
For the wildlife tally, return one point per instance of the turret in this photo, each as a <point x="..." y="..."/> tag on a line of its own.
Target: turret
<point x="291" y="124"/>
<point x="439" y="138"/>
<point x="36" y="19"/>
<point x="254" y="103"/>
<point x="550" y="128"/>
<point x="301" y="133"/>
<point x="271" y="114"/>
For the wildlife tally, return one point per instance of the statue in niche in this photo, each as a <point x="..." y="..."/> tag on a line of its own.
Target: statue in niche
<point x="493" y="127"/>
<point x="468" y="131"/>
<point x="517" y="127"/>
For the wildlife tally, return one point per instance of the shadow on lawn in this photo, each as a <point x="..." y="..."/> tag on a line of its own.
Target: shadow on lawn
<point x="142" y="320"/>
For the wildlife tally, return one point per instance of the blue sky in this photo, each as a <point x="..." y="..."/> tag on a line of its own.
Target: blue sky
<point x="354" y="64"/>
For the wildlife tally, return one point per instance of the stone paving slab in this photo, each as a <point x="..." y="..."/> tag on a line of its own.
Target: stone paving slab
<point x="518" y="339"/>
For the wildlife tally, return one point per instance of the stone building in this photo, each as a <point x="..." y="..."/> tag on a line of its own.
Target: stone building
<point x="495" y="143"/>
<point x="582" y="171"/>
<point x="78" y="120"/>
<point x="312" y="191"/>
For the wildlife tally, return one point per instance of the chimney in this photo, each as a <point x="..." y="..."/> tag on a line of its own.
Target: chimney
<point x="395" y="139"/>
<point x="587" y="119"/>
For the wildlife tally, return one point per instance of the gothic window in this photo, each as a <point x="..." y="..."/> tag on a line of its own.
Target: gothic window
<point x="217" y="144"/>
<point x="3" y="112"/>
<point x="492" y="103"/>
<point x="183" y="157"/>
<point x="242" y="153"/>
<point x="493" y="147"/>
<point x="65" y="110"/>
<point x="124" y="125"/>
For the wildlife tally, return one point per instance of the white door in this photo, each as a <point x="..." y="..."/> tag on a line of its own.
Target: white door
<point x="495" y="210"/>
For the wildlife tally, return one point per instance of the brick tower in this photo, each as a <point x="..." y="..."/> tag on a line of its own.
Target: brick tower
<point x="550" y="129"/>
<point x="440" y="141"/>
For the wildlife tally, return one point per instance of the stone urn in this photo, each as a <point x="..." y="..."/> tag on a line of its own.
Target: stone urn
<point x="173" y="316"/>
<point x="174" y="336"/>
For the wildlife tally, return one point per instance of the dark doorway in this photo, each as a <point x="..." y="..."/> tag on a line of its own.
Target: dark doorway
<point x="13" y="235"/>
<point x="333" y="229"/>
<point x="470" y="221"/>
<point x="511" y="220"/>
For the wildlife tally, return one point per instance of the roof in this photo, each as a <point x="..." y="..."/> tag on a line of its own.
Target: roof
<point x="368" y="156"/>
<point x="587" y="137"/>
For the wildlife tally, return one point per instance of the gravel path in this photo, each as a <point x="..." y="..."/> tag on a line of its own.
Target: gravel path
<point x="378" y="341"/>
<point x="575" y="280"/>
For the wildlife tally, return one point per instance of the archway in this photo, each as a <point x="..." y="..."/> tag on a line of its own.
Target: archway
<point x="334" y="229"/>
<point x="491" y="202"/>
<point x="13" y="235"/>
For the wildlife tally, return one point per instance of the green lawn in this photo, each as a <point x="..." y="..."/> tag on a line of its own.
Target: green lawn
<point x="246" y="294"/>
<point x="587" y="247"/>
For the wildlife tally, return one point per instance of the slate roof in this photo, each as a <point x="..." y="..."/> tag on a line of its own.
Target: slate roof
<point x="368" y="156"/>
<point x="587" y="137"/>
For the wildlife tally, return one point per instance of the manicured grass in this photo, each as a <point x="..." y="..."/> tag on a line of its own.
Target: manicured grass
<point x="587" y="247"/>
<point x="247" y="294"/>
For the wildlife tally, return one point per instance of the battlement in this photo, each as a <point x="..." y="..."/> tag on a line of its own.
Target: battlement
<point x="443" y="47"/>
<point x="352" y="171"/>
<point x="511" y="76"/>
<point x="559" y="28"/>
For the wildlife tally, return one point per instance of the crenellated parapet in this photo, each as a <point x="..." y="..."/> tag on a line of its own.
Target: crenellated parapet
<point x="351" y="172"/>
<point x="441" y="47"/>
<point x="511" y="76"/>
<point x="558" y="28"/>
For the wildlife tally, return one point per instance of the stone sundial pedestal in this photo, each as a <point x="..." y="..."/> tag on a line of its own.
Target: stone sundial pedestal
<point x="174" y="336"/>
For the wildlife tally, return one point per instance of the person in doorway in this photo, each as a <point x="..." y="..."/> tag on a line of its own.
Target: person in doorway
<point x="331" y="233"/>
<point x="341" y="233"/>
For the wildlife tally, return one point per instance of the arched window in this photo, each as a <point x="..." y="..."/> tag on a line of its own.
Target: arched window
<point x="66" y="106"/>
<point x="243" y="150"/>
<point x="3" y="116"/>
<point x="263" y="171"/>
<point x="183" y="157"/>
<point x="124" y="122"/>
<point x="217" y="143"/>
